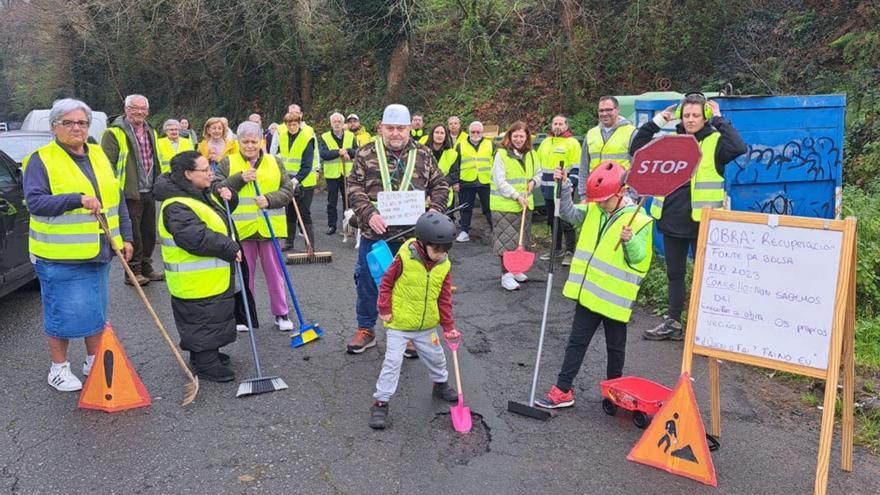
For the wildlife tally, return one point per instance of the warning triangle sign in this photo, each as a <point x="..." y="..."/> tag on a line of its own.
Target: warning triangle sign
<point x="675" y="441"/>
<point x="113" y="385"/>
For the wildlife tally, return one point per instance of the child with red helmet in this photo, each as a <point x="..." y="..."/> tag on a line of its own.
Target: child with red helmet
<point x="610" y="262"/>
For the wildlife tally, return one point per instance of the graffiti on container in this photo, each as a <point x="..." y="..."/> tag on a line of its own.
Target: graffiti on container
<point x="800" y="160"/>
<point x="785" y="202"/>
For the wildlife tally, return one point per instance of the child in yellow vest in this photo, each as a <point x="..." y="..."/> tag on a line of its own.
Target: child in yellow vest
<point x="415" y="296"/>
<point x="604" y="277"/>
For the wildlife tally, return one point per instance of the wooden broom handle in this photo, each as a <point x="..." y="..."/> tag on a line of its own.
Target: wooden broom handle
<point x="522" y="226"/>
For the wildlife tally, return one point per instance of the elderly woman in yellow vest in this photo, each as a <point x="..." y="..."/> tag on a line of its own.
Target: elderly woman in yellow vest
<point x="66" y="183"/>
<point x="198" y="250"/>
<point x="238" y="172"/>
<point x="515" y="173"/>
<point x="678" y="215"/>
<point x="612" y="258"/>
<point x="215" y="144"/>
<point x="296" y="147"/>
<point x="171" y="144"/>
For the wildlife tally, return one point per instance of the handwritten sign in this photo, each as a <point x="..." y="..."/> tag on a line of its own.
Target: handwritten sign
<point x="769" y="292"/>
<point x="401" y="207"/>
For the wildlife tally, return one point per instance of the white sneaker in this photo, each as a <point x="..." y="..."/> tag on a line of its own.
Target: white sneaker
<point x="521" y="277"/>
<point x="509" y="282"/>
<point x="87" y="366"/>
<point x="62" y="380"/>
<point x="241" y="328"/>
<point x="283" y="323"/>
<point x="463" y="237"/>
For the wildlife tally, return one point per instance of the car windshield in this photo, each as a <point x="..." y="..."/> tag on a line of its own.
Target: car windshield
<point x="18" y="147"/>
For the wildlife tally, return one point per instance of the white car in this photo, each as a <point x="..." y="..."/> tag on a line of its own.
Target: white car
<point x="38" y="120"/>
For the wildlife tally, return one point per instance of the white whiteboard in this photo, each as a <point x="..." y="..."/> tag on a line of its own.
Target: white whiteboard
<point x="769" y="292"/>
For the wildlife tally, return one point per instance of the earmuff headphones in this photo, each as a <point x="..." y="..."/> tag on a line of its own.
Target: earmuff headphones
<point x="707" y="110"/>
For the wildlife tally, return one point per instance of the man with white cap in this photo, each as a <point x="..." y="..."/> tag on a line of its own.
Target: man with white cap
<point x="361" y="135"/>
<point x="393" y="162"/>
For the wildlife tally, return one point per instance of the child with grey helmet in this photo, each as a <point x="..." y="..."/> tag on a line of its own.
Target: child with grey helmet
<point x="415" y="296"/>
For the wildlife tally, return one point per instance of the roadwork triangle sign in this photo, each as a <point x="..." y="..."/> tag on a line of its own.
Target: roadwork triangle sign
<point x="113" y="385"/>
<point x="675" y="441"/>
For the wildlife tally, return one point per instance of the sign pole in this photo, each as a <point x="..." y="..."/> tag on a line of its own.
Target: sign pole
<point x="849" y="369"/>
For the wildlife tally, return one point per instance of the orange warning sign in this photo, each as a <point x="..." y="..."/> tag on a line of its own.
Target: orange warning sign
<point x="676" y="440"/>
<point x="113" y="385"/>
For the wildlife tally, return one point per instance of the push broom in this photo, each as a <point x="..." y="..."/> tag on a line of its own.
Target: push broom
<point x="310" y="256"/>
<point x="306" y="333"/>
<point x="529" y="409"/>
<point x="261" y="384"/>
<point x="191" y="388"/>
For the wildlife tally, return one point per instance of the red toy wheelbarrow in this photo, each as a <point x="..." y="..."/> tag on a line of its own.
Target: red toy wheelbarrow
<point x="643" y="397"/>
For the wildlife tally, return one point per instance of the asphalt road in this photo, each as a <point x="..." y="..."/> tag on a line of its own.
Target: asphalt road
<point x="313" y="437"/>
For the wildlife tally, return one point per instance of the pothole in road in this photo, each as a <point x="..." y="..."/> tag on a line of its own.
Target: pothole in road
<point x="478" y="343"/>
<point x="457" y="449"/>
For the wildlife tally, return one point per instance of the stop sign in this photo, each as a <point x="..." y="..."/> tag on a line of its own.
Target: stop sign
<point x="664" y="165"/>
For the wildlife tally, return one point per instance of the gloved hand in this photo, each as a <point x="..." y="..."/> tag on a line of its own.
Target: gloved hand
<point x="297" y="190"/>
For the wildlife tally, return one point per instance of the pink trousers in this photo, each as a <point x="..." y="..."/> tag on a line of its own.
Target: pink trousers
<point x="271" y="270"/>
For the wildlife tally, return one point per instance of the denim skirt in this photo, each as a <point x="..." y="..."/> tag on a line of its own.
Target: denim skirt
<point x="74" y="297"/>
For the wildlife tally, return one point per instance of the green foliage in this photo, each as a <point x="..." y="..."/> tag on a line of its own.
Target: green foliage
<point x="868" y="343"/>
<point x="654" y="292"/>
<point x="864" y="205"/>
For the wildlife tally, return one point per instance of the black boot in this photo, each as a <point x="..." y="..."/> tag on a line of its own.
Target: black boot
<point x="208" y="366"/>
<point x="443" y="391"/>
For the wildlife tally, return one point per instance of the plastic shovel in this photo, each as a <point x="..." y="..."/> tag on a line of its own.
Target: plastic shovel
<point x="519" y="260"/>
<point x="460" y="413"/>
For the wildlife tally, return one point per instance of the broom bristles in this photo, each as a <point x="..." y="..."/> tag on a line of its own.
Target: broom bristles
<point x="260" y="386"/>
<point x="305" y="258"/>
<point x="190" y="390"/>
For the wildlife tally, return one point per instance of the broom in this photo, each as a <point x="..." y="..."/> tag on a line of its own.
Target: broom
<point x="310" y="256"/>
<point x="191" y="388"/>
<point x="261" y="384"/>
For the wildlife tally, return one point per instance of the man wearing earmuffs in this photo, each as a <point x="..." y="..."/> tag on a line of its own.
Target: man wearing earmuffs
<point x="678" y="215"/>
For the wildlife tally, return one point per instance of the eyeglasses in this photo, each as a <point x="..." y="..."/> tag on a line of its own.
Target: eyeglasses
<point x="69" y="124"/>
<point x="138" y="109"/>
<point x="208" y="169"/>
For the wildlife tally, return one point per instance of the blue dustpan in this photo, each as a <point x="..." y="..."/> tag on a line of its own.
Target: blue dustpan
<point x="379" y="259"/>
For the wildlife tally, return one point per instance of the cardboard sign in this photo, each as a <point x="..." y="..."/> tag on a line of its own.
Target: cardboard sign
<point x="663" y="165"/>
<point x="401" y="207"/>
<point x="675" y="441"/>
<point x="113" y="385"/>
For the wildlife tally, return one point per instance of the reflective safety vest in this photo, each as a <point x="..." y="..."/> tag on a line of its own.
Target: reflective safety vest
<point x="415" y="293"/>
<point x="122" y="158"/>
<point x="445" y="164"/>
<point x="363" y="137"/>
<point x="707" y="187"/>
<point x="167" y="151"/>
<point x="616" y="148"/>
<point x="476" y="163"/>
<point x="75" y="234"/>
<point x="518" y="174"/>
<point x="555" y="149"/>
<point x="190" y="276"/>
<point x="333" y="168"/>
<point x="385" y="173"/>
<point x="419" y="136"/>
<point x="600" y="278"/>
<point x="247" y="216"/>
<point x="291" y="156"/>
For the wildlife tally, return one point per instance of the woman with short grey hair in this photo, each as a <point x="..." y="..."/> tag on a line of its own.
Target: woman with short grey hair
<point x="170" y="144"/>
<point x="66" y="184"/>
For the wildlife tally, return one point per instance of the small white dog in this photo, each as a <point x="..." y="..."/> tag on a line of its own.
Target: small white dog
<point x="348" y="230"/>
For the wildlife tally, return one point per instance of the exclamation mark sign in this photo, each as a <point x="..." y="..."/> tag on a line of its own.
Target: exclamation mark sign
<point x="108" y="371"/>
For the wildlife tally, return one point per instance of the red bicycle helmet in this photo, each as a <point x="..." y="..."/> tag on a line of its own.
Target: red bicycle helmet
<point x="605" y="181"/>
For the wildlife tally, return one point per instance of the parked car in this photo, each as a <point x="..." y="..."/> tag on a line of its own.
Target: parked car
<point x="16" y="269"/>
<point x="19" y="144"/>
<point x="38" y="120"/>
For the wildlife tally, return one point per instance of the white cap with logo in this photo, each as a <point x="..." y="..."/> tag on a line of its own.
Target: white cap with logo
<point x="352" y="116"/>
<point x="396" y="114"/>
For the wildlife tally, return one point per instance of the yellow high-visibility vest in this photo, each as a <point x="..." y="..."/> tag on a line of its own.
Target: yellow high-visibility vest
<point x="333" y="169"/>
<point x="247" y="216"/>
<point x="518" y="177"/>
<point x="476" y="163"/>
<point x="291" y="156"/>
<point x="167" y="151"/>
<point x="616" y="148"/>
<point x="707" y="187"/>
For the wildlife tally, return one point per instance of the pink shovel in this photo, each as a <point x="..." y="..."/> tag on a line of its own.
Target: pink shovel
<point x="461" y="414"/>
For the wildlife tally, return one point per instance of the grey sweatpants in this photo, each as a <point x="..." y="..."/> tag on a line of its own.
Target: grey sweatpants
<point x="430" y="353"/>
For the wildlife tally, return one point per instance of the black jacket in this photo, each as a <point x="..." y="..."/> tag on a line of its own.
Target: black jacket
<point x="676" y="220"/>
<point x="209" y="323"/>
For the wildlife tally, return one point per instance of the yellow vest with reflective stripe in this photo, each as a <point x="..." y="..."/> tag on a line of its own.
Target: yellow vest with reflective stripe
<point x="247" y="216"/>
<point x="416" y="291"/>
<point x="333" y="168"/>
<point x="707" y="187"/>
<point x="554" y="149"/>
<point x="292" y="155"/>
<point x="617" y="147"/>
<point x="518" y="177"/>
<point x="600" y="279"/>
<point x="119" y="166"/>
<point x="167" y="152"/>
<point x="75" y="234"/>
<point x="445" y="163"/>
<point x="363" y="137"/>
<point x="476" y="164"/>
<point x="190" y="276"/>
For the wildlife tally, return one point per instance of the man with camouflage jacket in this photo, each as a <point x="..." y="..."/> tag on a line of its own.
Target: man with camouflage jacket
<point x="365" y="181"/>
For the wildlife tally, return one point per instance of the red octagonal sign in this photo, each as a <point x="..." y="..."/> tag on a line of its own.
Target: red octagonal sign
<point x="663" y="165"/>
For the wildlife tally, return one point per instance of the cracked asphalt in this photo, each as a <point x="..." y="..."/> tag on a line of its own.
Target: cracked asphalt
<point x="313" y="437"/>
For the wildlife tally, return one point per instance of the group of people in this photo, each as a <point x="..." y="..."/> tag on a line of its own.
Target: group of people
<point x="219" y="197"/>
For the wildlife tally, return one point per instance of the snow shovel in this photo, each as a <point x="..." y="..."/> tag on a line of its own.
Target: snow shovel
<point x="519" y="260"/>
<point x="460" y="413"/>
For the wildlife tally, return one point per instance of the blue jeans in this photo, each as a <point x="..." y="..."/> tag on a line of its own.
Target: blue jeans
<point x="74" y="297"/>
<point x="367" y="292"/>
